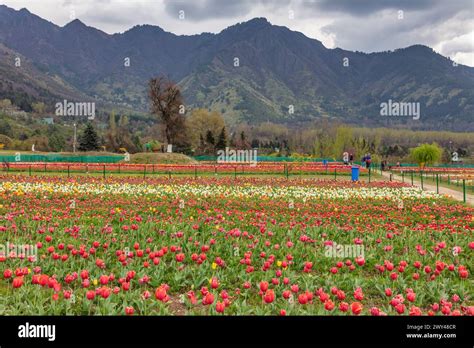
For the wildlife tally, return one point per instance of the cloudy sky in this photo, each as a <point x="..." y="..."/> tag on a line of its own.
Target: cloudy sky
<point x="364" y="25"/>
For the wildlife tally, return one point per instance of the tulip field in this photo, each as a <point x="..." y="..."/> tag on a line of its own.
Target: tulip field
<point x="231" y="246"/>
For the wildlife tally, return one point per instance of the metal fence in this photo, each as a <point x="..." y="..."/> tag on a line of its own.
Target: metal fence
<point x="332" y="170"/>
<point x="270" y="159"/>
<point x="59" y="158"/>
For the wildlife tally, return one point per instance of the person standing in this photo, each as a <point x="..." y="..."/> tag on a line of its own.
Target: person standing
<point x="368" y="161"/>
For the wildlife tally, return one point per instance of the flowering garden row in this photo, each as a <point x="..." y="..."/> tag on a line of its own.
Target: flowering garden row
<point x="211" y="168"/>
<point x="218" y="191"/>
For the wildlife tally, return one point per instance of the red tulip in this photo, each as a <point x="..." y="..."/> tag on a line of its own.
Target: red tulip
<point x="104" y="279"/>
<point x="343" y="306"/>
<point x="411" y="296"/>
<point x="375" y="311"/>
<point x="214" y="283"/>
<point x="161" y="294"/>
<point x="329" y="305"/>
<point x="129" y="310"/>
<point x="358" y="295"/>
<point x="17" y="282"/>
<point x="463" y="273"/>
<point x="208" y="299"/>
<point x="180" y="257"/>
<point x="302" y="299"/>
<point x="356" y="308"/>
<point x="446" y="310"/>
<point x="104" y="292"/>
<point x="84" y="274"/>
<point x="360" y="261"/>
<point x="414" y="311"/>
<point x="400" y="308"/>
<point x="90" y="295"/>
<point x="7" y="273"/>
<point x="323" y="297"/>
<point x="269" y="296"/>
<point x="220" y="306"/>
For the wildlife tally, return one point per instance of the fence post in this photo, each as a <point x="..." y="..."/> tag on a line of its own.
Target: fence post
<point x="153" y="168"/>
<point x="464" y="190"/>
<point x="169" y="174"/>
<point x="29" y="170"/>
<point x="144" y="171"/>
<point x="421" y="178"/>
<point x="45" y="167"/>
<point x="235" y="172"/>
<point x="412" y="178"/>
<point x="403" y="176"/>
<point x="369" y="174"/>
<point x="104" y="171"/>
<point x="437" y="183"/>
<point x="119" y="168"/>
<point x="391" y="176"/>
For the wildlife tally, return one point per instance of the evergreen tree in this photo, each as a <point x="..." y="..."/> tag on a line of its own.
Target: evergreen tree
<point x="89" y="140"/>
<point x="56" y="142"/>
<point x="222" y="140"/>
<point x="210" y="138"/>
<point x="255" y="143"/>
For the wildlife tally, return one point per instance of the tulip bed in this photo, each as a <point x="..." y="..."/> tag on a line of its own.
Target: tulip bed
<point x="271" y="168"/>
<point x="225" y="246"/>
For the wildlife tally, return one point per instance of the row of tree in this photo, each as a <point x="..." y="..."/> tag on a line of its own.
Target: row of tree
<point x="203" y="132"/>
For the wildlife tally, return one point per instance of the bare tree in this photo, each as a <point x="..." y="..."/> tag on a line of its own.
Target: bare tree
<point x="166" y="101"/>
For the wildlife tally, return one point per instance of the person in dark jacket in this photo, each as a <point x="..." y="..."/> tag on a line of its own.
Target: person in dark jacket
<point x="368" y="161"/>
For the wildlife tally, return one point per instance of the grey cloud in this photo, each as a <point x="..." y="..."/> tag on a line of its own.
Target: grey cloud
<point x="453" y="47"/>
<point x="208" y="9"/>
<point x="417" y="27"/>
<point x="368" y="7"/>
<point x="200" y="10"/>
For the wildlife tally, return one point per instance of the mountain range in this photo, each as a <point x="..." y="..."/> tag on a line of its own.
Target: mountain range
<point x="251" y="72"/>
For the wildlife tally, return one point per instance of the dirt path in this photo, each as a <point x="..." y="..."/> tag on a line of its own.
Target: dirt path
<point x="442" y="190"/>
